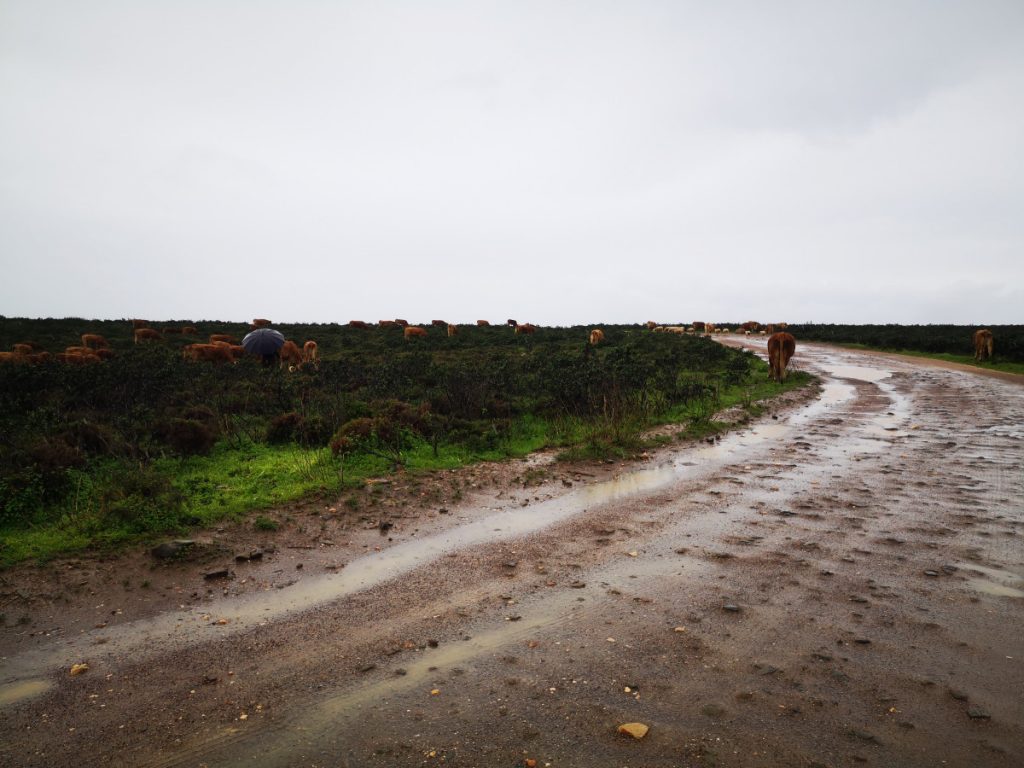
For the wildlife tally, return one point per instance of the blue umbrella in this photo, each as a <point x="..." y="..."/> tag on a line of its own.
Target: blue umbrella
<point x="263" y="341"/>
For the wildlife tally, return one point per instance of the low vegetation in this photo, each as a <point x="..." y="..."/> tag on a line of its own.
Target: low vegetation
<point x="148" y="443"/>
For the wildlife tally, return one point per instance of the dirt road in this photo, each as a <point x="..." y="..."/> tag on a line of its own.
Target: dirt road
<point x="840" y="585"/>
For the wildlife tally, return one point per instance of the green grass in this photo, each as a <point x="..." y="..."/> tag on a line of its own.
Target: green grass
<point x="1005" y="366"/>
<point x="234" y="481"/>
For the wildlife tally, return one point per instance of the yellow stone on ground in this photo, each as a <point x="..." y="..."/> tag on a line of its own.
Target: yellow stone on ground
<point x="636" y="730"/>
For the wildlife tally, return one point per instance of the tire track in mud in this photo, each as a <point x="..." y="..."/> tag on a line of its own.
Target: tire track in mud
<point x="821" y="529"/>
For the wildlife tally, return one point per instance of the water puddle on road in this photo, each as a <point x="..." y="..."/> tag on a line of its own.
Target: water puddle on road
<point x="857" y="373"/>
<point x="21" y="690"/>
<point x="998" y="582"/>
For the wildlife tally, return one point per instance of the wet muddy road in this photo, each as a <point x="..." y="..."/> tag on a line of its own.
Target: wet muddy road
<point x="840" y="585"/>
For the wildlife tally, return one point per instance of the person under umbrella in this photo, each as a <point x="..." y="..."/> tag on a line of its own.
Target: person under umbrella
<point x="265" y="342"/>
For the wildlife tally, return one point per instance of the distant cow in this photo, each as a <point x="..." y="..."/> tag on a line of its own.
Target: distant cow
<point x="94" y="341"/>
<point x="260" y="322"/>
<point x="146" y="334"/>
<point x="358" y="324"/>
<point x="388" y="324"/>
<point x="136" y="324"/>
<point x="651" y="325"/>
<point x="596" y="336"/>
<point x="525" y="328"/>
<point x="311" y="353"/>
<point x="225" y="337"/>
<point x="189" y="330"/>
<point x="103" y="353"/>
<point x="453" y="330"/>
<point x="401" y="322"/>
<point x="22" y="349"/>
<point x="439" y="323"/>
<point x="412" y="331"/>
<point x="781" y="347"/>
<point x="982" y="344"/>
<point x="698" y="326"/>
<point x="214" y="353"/>
<point x="483" y="323"/>
<point x="511" y="322"/>
<point x="709" y="328"/>
<point x="290" y="354"/>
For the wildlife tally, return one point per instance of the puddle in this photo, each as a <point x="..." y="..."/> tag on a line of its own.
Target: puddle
<point x="24" y="689"/>
<point x="857" y="373"/>
<point x="998" y="583"/>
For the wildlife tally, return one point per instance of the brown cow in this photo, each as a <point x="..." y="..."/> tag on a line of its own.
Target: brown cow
<point x="291" y="354"/>
<point x="388" y="324"/>
<point x="982" y="344"/>
<point x="439" y="323"/>
<point x="525" y="328"/>
<point x="358" y="324"/>
<point x="189" y="330"/>
<point x="136" y="324"/>
<point x="225" y="337"/>
<point x="22" y="349"/>
<point x="709" y="328"/>
<point x="781" y="347"/>
<point x="147" y="334"/>
<point x="483" y="323"/>
<point x="453" y="330"/>
<point x="44" y="357"/>
<point x="214" y="353"/>
<point x="596" y="336"/>
<point x="412" y="330"/>
<point x="697" y="326"/>
<point x="237" y="351"/>
<point x="104" y="354"/>
<point x="651" y="325"/>
<point x="401" y="322"/>
<point x="512" y="323"/>
<point x="260" y="322"/>
<point x="94" y="341"/>
<point x="750" y="326"/>
<point x="311" y="353"/>
<point x="12" y="357"/>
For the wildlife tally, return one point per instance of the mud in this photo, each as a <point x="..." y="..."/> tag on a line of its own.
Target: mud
<point x="838" y="585"/>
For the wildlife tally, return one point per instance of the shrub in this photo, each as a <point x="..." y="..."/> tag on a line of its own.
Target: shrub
<point x="140" y="500"/>
<point x="264" y="523"/>
<point x="285" y="428"/>
<point x="190" y="437"/>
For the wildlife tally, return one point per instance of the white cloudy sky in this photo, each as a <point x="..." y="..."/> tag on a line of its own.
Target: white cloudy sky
<point x="557" y="162"/>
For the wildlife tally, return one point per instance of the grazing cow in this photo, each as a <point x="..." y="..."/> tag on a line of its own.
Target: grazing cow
<point x="525" y="328"/>
<point x="709" y="328"/>
<point x="388" y="324"/>
<point x="290" y="354"/>
<point x="78" y="356"/>
<point x="260" y="322"/>
<point x="225" y="337"/>
<point x="220" y="343"/>
<point x="483" y="323"/>
<point x="147" y="334"/>
<point x="658" y="329"/>
<point x="596" y="336"/>
<point x="311" y="353"/>
<point x="412" y="330"/>
<point x="401" y="322"/>
<point x="189" y="330"/>
<point x="750" y="326"/>
<point x="237" y="351"/>
<point x="104" y="353"/>
<point x="982" y="344"/>
<point x="358" y="324"/>
<point x="22" y="349"/>
<point x="511" y="322"/>
<point x="453" y="330"/>
<point x="94" y="341"/>
<point x="44" y="357"/>
<point x="651" y="325"/>
<point x="781" y="347"/>
<point x="439" y="323"/>
<point x="136" y="324"/>
<point x="214" y="353"/>
<point x="681" y="330"/>
<point x="770" y="329"/>
<point x="12" y="357"/>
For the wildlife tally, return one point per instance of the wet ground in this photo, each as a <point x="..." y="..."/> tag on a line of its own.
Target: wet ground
<point x="842" y="584"/>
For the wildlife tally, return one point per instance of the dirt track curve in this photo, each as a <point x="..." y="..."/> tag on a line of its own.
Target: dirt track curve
<point x="840" y="585"/>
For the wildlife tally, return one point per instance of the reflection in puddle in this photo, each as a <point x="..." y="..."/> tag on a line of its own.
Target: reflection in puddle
<point x="857" y="373"/>
<point x="25" y="689"/>
<point x="998" y="581"/>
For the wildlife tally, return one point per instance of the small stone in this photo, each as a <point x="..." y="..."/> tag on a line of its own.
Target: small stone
<point x="931" y="573"/>
<point x="976" y="713"/>
<point x="731" y="608"/>
<point x="636" y="730"/>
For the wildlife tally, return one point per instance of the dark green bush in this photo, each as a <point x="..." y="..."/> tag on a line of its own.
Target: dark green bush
<point x="140" y="500"/>
<point x="189" y="437"/>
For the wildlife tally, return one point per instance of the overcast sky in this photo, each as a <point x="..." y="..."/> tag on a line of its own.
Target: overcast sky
<point x="556" y="162"/>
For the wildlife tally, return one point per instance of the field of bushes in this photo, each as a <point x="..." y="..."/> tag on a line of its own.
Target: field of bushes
<point x="148" y="443"/>
<point x="955" y="341"/>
